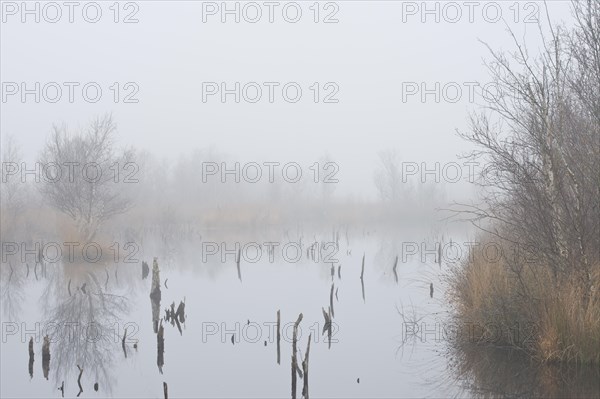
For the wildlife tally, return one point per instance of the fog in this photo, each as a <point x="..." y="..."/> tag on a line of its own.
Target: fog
<point x="222" y="134"/>
<point x="369" y="54"/>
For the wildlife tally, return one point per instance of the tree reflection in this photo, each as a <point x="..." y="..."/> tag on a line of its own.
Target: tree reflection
<point x="12" y="281"/>
<point x="84" y="325"/>
<point x="492" y="372"/>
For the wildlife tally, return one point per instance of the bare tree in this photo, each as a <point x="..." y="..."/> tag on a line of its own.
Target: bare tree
<point x="14" y="191"/>
<point x="83" y="175"/>
<point x="541" y="137"/>
<point x="388" y="176"/>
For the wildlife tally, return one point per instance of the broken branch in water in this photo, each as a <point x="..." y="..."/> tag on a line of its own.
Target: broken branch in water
<point x="180" y="313"/>
<point x="46" y="356"/>
<point x="145" y="270"/>
<point x="362" y="272"/>
<point x="294" y="356"/>
<point x="305" y="369"/>
<point x="331" y="301"/>
<point x="362" y="285"/>
<point x="123" y="343"/>
<point x="238" y="264"/>
<point x="165" y="390"/>
<point x="155" y="294"/>
<point x="160" y="346"/>
<point x="176" y="316"/>
<point x="394" y="269"/>
<point x="31" y="357"/>
<point x="79" y="380"/>
<point x="327" y="321"/>
<point x="328" y="325"/>
<point x="278" y="337"/>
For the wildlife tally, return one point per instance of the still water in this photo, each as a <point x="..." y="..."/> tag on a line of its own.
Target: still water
<point x="387" y="328"/>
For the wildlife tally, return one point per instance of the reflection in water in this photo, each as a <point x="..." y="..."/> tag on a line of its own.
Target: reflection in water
<point x="177" y="317"/>
<point x="305" y="369"/>
<point x="362" y="286"/>
<point x="12" y="293"/>
<point x="295" y="369"/>
<point x="123" y="343"/>
<point x="46" y="356"/>
<point x="84" y="323"/>
<point x="160" y="347"/>
<point x="145" y="270"/>
<point x="155" y="294"/>
<point x="491" y="372"/>
<point x="83" y="301"/>
<point x="362" y="280"/>
<point x="239" y="271"/>
<point x="327" y="326"/>
<point x="79" y="380"/>
<point x="278" y="336"/>
<point x="331" y="301"/>
<point x="31" y="355"/>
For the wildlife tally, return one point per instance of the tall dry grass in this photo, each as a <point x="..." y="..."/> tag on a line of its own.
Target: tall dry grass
<point x="516" y="303"/>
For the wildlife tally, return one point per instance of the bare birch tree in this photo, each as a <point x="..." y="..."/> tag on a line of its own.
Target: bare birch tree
<point x="85" y="175"/>
<point x="541" y="137"/>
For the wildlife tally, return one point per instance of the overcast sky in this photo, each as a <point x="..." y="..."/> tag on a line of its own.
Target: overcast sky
<point x="367" y="57"/>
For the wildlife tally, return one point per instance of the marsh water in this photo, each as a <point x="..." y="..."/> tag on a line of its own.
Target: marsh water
<point x="388" y="330"/>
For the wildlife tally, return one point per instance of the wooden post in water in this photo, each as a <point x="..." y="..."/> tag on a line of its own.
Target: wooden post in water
<point x="160" y="346"/>
<point x="239" y="255"/>
<point x="79" y="380"/>
<point x="31" y="356"/>
<point x="145" y="270"/>
<point x="278" y="337"/>
<point x="155" y="294"/>
<point x="165" y="390"/>
<point x="123" y="343"/>
<point x="331" y="300"/>
<point x="305" y="369"/>
<point x="46" y="356"/>
<point x="294" y="356"/>
<point x="362" y="272"/>
<point x="328" y="324"/>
